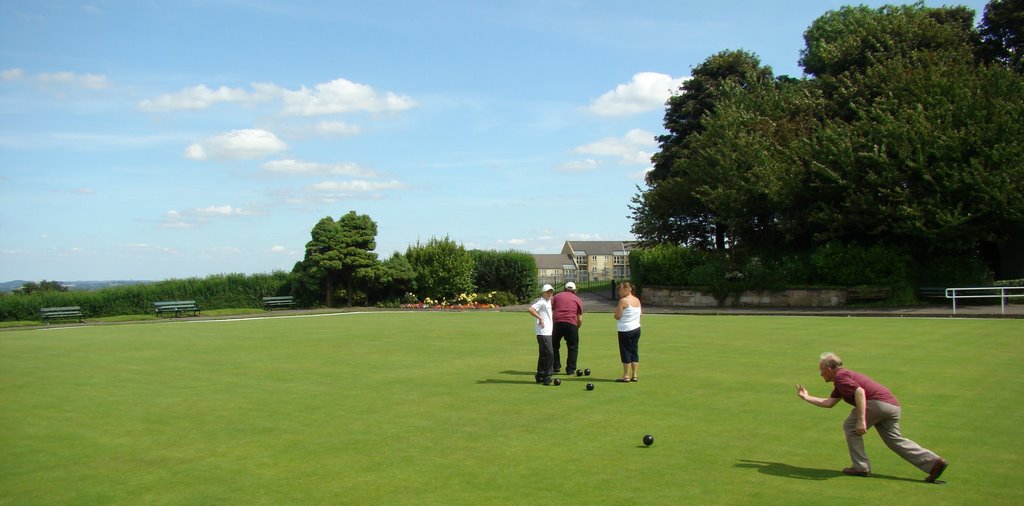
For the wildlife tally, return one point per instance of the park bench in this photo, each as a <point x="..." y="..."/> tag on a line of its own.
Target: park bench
<point x="176" y="307"/>
<point x="281" y="302"/>
<point x="55" y="313"/>
<point x="867" y="293"/>
<point x="931" y="292"/>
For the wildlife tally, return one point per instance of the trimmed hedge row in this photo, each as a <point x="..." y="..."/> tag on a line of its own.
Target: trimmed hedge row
<point x="213" y="292"/>
<point x="833" y="264"/>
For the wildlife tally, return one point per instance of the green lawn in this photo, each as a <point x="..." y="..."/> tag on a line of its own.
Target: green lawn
<point x="441" y="408"/>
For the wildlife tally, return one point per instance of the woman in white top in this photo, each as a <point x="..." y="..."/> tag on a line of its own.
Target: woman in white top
<point x="627" y="313"/>
<point x="541" y="310"/>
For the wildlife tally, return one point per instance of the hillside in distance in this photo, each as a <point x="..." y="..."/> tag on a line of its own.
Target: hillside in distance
<point x="10" y="286"/>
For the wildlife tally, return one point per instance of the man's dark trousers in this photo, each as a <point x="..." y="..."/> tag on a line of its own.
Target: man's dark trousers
<point x="571" y="333"/>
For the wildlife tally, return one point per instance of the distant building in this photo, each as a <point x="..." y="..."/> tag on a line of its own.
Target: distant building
<point x="582" y="261"/>
<point x="554" y="268"/>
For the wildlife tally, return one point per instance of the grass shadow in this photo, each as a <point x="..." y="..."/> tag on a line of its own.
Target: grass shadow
<point x="492" y="381"/>
<point x="788" y="471"/>
<point x="495" y="381"/>
<point x="808" y="473"/>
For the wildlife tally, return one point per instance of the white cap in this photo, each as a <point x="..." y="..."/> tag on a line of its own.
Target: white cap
<point x="570" y="286"/>
<point x="547" y="288"/>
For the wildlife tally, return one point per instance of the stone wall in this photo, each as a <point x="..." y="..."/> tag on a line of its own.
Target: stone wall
<point x="684" y="297"/>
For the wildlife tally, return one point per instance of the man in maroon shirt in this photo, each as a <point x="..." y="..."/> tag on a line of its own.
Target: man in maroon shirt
<point x="567" y="315"/>
<point x="873" y="405"/>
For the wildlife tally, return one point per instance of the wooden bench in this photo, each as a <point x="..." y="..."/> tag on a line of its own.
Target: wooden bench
<point x="176" y="307"/>
<point x="867" y="293"/>
<point x="282" y="302"/>
<point x="56" y="313"/>
<point x="931" y="292"/>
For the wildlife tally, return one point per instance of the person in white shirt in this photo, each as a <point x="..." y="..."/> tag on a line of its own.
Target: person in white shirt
<point x="627" y="315"/>
<point x="541" y="310"/>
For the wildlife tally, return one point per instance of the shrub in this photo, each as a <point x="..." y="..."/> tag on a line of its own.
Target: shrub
<point x="776" y="273"/>
<point x="854" y="265"/>
<point x="443" y="268"/>
<point x="947" y="271"/>
<point x="664" y="264"/>
<point x="508" y="271"/>
<point x="502" y="298"/>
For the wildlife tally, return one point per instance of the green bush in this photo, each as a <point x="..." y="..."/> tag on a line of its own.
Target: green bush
<point x="444" y="269"/>
<point x="508" y="271"/>
<point x="664" y="264"/>
<point x="708" y="274"/>
<point x="776" y="273"/>
<point x="499" y="298"/>
<point x="856" y="265"/>
<point x="948" y="271"/>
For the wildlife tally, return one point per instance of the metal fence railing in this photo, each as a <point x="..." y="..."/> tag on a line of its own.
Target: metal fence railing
<point x="986" y="292"/>
<point x="586" y="288"/>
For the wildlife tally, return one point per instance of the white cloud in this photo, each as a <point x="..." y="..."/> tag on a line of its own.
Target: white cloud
<point x="587" y="237"/>
<point x="631" y="149"/>
<point x="198" y="97"/>
<point x="336" y="129"/>
<point x="329" y="192"/>
<point x="90" y="81"/>
<point x="200" y="216"/>
<point x="195" y="152"/>
<point x="300" y="168"/>
<point x="174" y="219"/>
<point x="12" y="75"/>
<point x="221" y="211"/>
<point x="647" y="91"/>
<point x="53" y="79"/>
<point x="580" y="165"/>
<point x="641" y="175"/>
<point x="357" y="185"/>
<point x="341" y="96"/>
<point x="245" y="144"/>
<point x="226" y="250"/>
<point x="334" y="97"/>
<point x="278" y="249"/>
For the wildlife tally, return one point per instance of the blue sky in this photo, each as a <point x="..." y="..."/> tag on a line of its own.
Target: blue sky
<point x="166" y="139"/>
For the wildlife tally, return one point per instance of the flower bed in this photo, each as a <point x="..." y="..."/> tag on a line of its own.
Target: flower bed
<point x="473" y="305"/>
<point x="463" y="301"/>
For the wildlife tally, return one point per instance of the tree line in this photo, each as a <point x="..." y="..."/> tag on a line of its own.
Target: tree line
<point x="340" y="263"/>
<point x="339" y="268"/>
<point x="899" y="148"/>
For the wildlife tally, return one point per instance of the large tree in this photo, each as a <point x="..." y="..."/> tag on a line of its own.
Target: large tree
<point x="898" y="136"/>
<point x="921" y="147"/>
<point x="669" y="210"/>
<point x="337" y="252"/>
<point x="390" y="280"/>
<point x="1002" y="33"/>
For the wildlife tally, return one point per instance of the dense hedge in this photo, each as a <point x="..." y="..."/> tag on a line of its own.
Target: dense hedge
<point x="505" y="271"/>
<point x="444" y="269"/>
<point x="213" y="292"/>
<point x="833" y="264"/>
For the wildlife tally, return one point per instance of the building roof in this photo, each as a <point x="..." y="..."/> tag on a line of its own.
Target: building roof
<point x="596" y="247"/>
<point x="549" y="261"/>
